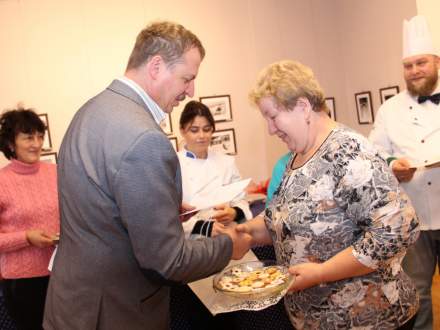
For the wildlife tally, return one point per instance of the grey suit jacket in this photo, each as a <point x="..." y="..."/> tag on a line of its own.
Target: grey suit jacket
<point x="121" y="242"/>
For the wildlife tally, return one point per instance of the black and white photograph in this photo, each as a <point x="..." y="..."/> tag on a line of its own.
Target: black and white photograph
<point x="388" y="92"/>
<point x="167" y="125"/>
<point x="47" y="144"/>
<point x="49" y="157"/>
<point x="330" y="102"/>
<point x="224" y="141"/>
<point x="220" y="107"/>
<point x="174" y="143"/>
<point x="364" y="108"/>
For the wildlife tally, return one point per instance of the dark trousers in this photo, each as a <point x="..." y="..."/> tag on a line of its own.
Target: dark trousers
<point x="25" y="298"/>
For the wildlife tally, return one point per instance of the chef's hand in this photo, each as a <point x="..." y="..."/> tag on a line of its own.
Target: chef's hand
<point x="306" y="275"/>
<point x="402" y="170"/>
<point x="225" y="214"/>
<point x="39" y="238"/>
<point x="185" y="208"/>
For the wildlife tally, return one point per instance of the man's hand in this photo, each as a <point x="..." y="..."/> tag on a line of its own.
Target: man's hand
<point x="242" y="241"/>
<point x="185" y="208"/>
<point x="39" y="238"/>
<point x="224" y="214"/>
<point x="402" y="170"/>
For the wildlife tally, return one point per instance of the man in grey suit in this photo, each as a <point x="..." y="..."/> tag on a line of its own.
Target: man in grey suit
<point x="122" y="243"/>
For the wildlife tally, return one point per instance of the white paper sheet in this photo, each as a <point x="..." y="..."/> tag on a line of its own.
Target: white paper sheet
<point x="222" y="195"/>
<point x="431" y="164"/>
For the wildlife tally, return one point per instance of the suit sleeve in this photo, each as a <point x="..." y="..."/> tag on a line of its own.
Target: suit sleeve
<point x="145" y="191"/>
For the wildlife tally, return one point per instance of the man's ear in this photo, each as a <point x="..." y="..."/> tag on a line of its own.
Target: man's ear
<point x="155" y="66"/>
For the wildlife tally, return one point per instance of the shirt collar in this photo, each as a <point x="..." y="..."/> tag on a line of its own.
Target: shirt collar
<point x="190" y="154"/>
<point x="157" y="113"/>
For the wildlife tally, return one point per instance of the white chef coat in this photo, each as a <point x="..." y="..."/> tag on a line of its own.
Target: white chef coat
<point x="200" y="176"/>
<point x="405" y="128"/>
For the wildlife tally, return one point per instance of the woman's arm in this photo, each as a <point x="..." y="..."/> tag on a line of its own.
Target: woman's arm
<point x="341" y="266"/>
<point x="257" y="229"/>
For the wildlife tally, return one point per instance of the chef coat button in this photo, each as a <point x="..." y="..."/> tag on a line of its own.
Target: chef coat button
<point x="415" y="118"/>
<point x="410" y="107"/>
<point x="423" y="141"/>
<point x="426" y="161"/>
<point x="429" y="183"/>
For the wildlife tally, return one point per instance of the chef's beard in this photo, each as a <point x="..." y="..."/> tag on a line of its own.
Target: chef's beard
<point x="426" y="88"/>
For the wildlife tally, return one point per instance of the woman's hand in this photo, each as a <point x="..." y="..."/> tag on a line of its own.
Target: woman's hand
<point x="39" y="238"/>
<point x="225" y="214"/>
<point x="403" y="170"/>
<point x="256" y="228"/>
<point x="306" y="275"/>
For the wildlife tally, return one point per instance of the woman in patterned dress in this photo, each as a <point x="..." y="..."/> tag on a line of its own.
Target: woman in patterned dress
<point x="339" y="217"/>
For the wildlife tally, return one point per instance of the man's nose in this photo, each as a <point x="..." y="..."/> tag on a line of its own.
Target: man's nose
<point x="190" y="89"/>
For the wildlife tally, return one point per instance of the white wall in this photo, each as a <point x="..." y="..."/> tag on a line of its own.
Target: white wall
<point x="55" y="54"/>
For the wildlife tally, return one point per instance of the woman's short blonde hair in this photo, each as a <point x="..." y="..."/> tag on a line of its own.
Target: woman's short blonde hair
<point x="287" y="81"/>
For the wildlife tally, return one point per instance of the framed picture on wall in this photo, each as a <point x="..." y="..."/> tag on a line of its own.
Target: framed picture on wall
<point x="166" y="125"/>
<point x="220" y="107"/>
<point x="174" y="143"/>
<point x="47" y="144"/>
<point x="330" y="102"/>
<point x="388" y="92"/>
<point x="224" y="141"/>
<point x="49" y="157"/>
<point x="364" y="108"/>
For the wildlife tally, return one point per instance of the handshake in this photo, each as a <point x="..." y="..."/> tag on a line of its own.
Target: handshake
<point x="240" y="235"/>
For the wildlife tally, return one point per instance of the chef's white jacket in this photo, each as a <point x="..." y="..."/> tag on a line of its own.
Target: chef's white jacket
<point x="405" y="128"/>
<point x="200" y="176"/>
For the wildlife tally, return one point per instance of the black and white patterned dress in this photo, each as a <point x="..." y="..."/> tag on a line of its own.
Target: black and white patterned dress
<point x="345" y="195"/>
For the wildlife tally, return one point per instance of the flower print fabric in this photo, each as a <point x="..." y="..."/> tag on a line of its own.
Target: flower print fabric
<point x="345" y="195"/>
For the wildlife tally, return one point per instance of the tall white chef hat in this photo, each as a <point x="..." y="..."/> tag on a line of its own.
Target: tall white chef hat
<point x="417" y="38"/>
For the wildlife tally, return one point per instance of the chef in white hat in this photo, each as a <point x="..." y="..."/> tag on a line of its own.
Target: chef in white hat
<point x="407" y="130"/>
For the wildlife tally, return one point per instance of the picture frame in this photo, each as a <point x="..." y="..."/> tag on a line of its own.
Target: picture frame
<point x="388" y="92"/>
<point x="331" y="105"/>
<point x="49" y="157"/>
<point x="173" y="141"/>
<point x="47" y="144"/>
<point x="167" y="125"/>
<point x="224" y="141"/>
<point x="364" y="108"/>
<point x="220" y="107"/>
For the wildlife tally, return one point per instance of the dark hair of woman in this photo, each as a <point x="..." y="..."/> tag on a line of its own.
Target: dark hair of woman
<point x="17" y="121"/>
<point x="192" y="110"/>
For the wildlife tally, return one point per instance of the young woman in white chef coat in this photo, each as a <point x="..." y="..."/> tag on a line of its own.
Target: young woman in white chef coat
<point x="205" y="170"/>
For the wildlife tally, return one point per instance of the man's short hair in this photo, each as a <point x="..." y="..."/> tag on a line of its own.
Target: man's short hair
<point x="167" y="39"/>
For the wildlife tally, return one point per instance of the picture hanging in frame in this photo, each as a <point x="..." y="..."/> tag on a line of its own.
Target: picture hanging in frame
<point x="220" y="107"/>
<point x="388" y="92"/>
<point x="174" y="143"/>
<point x="166" y="125"/>
<point x="330" y="102"/>
<point x="47" y="144"/>
<point x="364" y="108"/>
<point x="224" y="141"/>
<point x="49" y="157"/>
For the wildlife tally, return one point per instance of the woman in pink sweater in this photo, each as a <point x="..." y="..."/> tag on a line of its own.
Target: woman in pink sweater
<point x="29" y="217"/>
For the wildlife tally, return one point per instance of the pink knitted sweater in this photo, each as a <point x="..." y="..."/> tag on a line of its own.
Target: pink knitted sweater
<point x="28" y="200"/>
